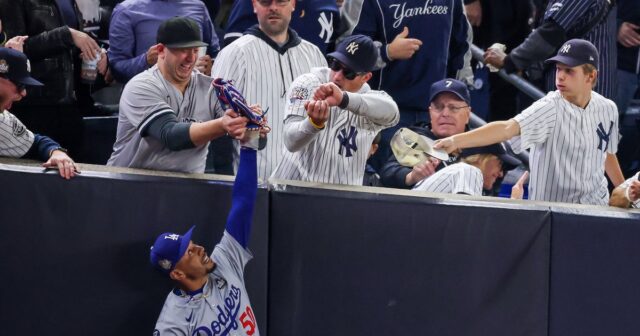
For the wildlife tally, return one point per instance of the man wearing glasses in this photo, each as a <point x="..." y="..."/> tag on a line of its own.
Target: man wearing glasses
<point x="15" y="139"/>
<point x="263" y="63"/>
<point x="449" y="112"/>
<point x="333" y="117"/>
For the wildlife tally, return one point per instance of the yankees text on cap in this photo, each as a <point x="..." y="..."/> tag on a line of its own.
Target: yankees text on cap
<point x="358" y="52"/>
<point x="14" y="66"/>
<point x="180" y="32"/>
<point x="508" y="161"/>
<point x="169" y="249"/>
<point x="450" y="85"/>
<point x="576" y="52"/>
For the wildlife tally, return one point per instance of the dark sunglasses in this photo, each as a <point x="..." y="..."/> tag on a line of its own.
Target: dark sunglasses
<point x="267" y="3"/>
<point x="336" y="66"/>
<point x="19" y="86"/>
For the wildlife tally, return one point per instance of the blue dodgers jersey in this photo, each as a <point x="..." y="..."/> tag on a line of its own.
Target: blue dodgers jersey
<point x="315" y="21"/>
<point x="223" y="307"/>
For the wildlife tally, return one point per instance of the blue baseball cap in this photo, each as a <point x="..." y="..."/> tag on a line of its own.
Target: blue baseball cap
<point x="450" y="85"/>
<point x="508" y="161"/>
<point x="576" y="52"/>
<point x="14" y="66"/>
<point x="358" y="52"/>
<point x="169" y="249"/>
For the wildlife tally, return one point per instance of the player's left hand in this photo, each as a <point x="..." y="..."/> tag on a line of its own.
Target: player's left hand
<point x="66" y="167"/>
<point x="517" y="191"/>
<point x="447" y="144"/>
<point x="634" y="191"/>
<point x="495" y="57"/>
<point x="204" y="64"/>
<point x="318" y="111"/>
<point x="330" y="93"/>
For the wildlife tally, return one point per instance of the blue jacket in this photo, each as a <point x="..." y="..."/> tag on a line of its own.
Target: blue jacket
<point x="441" y="26"/>
<point x="313" y="20"/>
<point x="629" y="58"/>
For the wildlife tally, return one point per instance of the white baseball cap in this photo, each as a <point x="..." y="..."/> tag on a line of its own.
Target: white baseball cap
<point x="411" y="148"/>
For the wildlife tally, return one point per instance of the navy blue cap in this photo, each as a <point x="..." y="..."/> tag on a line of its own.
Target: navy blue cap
<point x="14" y="66"/>
<point x="358" y="52"/>
<point x="169" y="249"/>
<point x="576" y="52"/>
<point x="450" y="85"/>
<point x="508" y="161"/>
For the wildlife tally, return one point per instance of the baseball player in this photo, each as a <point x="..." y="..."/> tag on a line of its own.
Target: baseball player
<point x="333" y="117"/>
<point x="263" y="63"/>
<point x="168" y="113"/>
<point x="478" y="169"/>
<point x="572" y="133"/>
<point x="15" y="139"/>
<point x="627" y="194"/>
<point x="210" y="297"/>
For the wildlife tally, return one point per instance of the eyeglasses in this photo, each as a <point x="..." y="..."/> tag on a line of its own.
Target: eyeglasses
<point x="336" y="66"/>
<point x="267" y="3"/>
<point x="453" y="109"/>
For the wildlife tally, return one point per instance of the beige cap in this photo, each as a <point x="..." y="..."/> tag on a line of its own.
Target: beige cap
<point x="411" y="148"/>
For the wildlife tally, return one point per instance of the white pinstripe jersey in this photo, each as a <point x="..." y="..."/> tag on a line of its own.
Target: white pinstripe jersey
<point x="569" y="146"/>
<point x="627" y="183"/>
<point x="148" y="96"/>
<point x="15" y="138"/>
<point x="458" y="178"/>
<point x="263" y="75"/>
<point x="338" y="153"/>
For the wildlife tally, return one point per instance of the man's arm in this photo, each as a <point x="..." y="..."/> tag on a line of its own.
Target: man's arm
<point x="612" y="168"/>
<point x="122" y="59"/>
<point x="488" y="134"/>
<point x="49" y="151"/>
<point x="243" y="198"/>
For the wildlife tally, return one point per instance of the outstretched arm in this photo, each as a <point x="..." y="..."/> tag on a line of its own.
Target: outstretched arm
<point x="243" y="198"/>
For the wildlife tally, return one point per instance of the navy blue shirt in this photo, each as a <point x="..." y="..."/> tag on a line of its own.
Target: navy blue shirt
<point x="68" y="13"/>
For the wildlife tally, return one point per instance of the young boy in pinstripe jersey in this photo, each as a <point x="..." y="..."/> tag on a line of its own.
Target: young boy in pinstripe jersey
<point x="572" y="132"/>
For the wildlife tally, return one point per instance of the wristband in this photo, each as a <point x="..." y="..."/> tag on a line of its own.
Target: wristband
<point x="345" y="100"/>
<point x="316" y="126"/>
<point x="55" y="149"/>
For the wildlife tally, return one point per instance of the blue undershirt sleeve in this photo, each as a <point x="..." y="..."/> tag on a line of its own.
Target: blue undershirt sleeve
<point x="42" y="146"/>
<point x="243" y="199"/>
<point x="173" y="134"/>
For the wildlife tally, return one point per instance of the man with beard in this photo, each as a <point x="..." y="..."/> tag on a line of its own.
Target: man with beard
<point x="263" y="63"/>
<point x="15" y="139"/>
<point x="210" y="297"/>
<point x="169" y="113"/>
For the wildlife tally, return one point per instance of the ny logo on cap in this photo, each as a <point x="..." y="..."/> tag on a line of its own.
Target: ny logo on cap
<point x="172" y="236"/>
<point x="565" y="48"/>
<point x="164" y="263"/>
<point x="4" y="67"/>
<point x="352" y="47"/>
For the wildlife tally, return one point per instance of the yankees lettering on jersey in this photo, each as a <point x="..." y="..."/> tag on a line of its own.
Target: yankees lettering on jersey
<point x="348" y="141"/>
<point x="604" y="137"/>
<point x="400" y="12"/>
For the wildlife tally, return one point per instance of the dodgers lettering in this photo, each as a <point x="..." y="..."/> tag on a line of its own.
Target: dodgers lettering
<point x="227" y="317"/>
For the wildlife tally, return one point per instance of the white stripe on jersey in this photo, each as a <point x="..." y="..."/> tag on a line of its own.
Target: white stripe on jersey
<point x="338" y="153"/>
<point x="15" y="138"/>
<point x="458" y="178"/>
<point x="263" y="75"/>
<point x="569" y="146"/>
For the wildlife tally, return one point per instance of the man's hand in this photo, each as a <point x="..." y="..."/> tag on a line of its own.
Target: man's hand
<point x="330" y="93"/>
<point x="402" y="47"/>
<point x="63" y="162"/>
<point x="233" y="124"/>
<point x="318" y="111"/>
<point x="421" y="171"/>
<point x="16" y="43"/>
<point x="495" y="57"/>
<point x="204" y="64"/>
<point x="448" y="144"/>
<point x="86" y="44"/>
<point x="517" y="191"/>
<point x="103" y="63"/>
<point x="152" y="55"/>
<point x="634" y="191"/>
<point x="628" y="35"/>
<point x="474" y="13"/>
